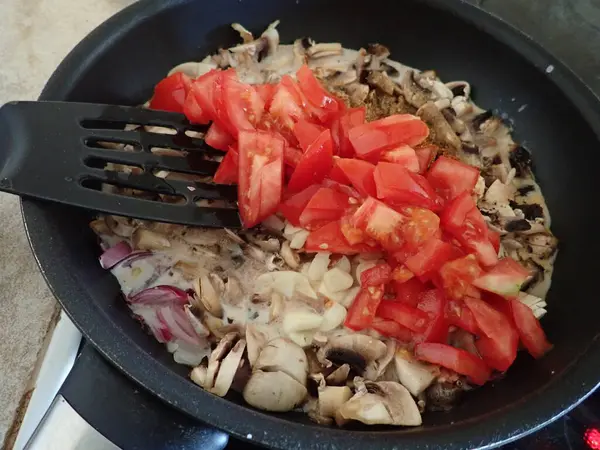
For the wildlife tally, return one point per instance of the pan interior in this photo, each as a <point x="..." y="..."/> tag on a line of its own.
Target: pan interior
<point x="126" y="63"/>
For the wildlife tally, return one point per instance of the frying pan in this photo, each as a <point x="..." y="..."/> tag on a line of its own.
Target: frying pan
<point x="121" y="61"/>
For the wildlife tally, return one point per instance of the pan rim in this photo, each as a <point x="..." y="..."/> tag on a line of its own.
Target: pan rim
<point x="534" y="412"/>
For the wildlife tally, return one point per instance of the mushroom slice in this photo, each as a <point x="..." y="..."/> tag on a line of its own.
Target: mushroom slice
<point x="331" y="399"/>
<point x="143" y="239"/>
<point x="228" y="369"/>
<point x="244" y="33"/>
<point x="282" y="355"/>
<point x="355" y="349"/>
<point x="214" y="361"/>
<point x="385" y="403"/>
<point x="209" y="294"/>
<point x="380" y="80"/>
<point x="257" y="336"/>
<point x="198" y="375"/>
<point x="121" y="226"/>
<point x="100" y="227"/>
<point x="413" y="92"/>
<point x="324" y="49"/>
<point x="338" y="376"/>
<point x="274" y="391"/>
<point x="444" y="134"/>
<point x="414" y="375"/>
<point x="377" y="367"/>
<point x="442" y="396"/>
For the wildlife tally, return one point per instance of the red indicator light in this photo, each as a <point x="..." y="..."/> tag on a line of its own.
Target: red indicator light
<point x="592" y="438"/>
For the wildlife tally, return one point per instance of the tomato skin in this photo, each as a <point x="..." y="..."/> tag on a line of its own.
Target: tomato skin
<point x="171" y="92"/>
<point x="433" y="303"/>
<point x="306" y="133"/>
<point x="260" y="175"/>
<point x="293" y="206"/>
<point x="315" y="164"/>
<point x="500" y="349"/>
<point x="325" y="105"/>
<point x="450" y="177"/>
<point x="530" y="331"/>
<point x="266" y="92"/>
<point x="325" y="206"/>
<point x="243" y="104"/>
<point x="408" y="316"/>
<point x="360" y="174"/>
<point x="396" y="184"/>
<point x="193" y="111"/>
<point x="458" y="275"/>
<point x="331" y="239"/>
<point x="362" y="311"/>
<point x="404" y="155"/>
<point x="410" y="291"/>
<point x="505" y="278"/>
<point x="458" y="360"/>
<point x="340" y="129"/>
<point x="218" y="138"/>
<point x="291" y="156"/>
<point x="460" y="316"/>
<point x="377" y="275"/>
<point x="425" y="154"/>
<point x="227" y="172"/>
<point x="203" y="89"/>
<point x="430" y="257"/>
<point x="371" y="139"/>
<point x="391" y="329"/>
<point x="337" y="174"/>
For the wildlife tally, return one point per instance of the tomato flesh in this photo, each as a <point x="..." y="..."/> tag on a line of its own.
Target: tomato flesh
<point x="458" y="275"/>
<point x="340" y="129"/>
<point x="430" y="257"/>
<point x="396" y="184"/>
<point x="227" y="172"/>
<point x="425" y="154"/>
<point x="377" y="275"/>
<point x="410" y="291"/>
<point x="260" y="175"/>
<point x="451" y="178"/>
<point x="306" y="133"/>
<point x="362" y="311"/>
<point x="404" y="155"/>
<point x="329" y="238"/>
<point x="293" y="206"/>
<point x="170" y="93"/>
<point x="243" y="104"/>
<point x="325" y="105"/>
<point x="505" y="278"/>
<point x="433" y="303"/>
<point x="458" y="360"/>
<point x="315" y="164"/>
<point x="360" y="174"/>
<point x="408" y="316"/>
<point x="218" y="138"/>
<point x="326" y="205"/>
<point x="380" y="222"/>
<point x="530" y="331"/>
<point x="391" y="329"/>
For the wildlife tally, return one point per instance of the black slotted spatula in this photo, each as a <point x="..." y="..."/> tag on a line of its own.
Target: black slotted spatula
<point x="54" y="151"/>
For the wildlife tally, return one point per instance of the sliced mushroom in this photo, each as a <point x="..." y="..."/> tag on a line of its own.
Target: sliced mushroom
<point x="198" y="375"/>
<point x="257" y="336"/>
<point x="233" y="292"/>
<point x="208" y="290"/>
<point x="355" y="349"/>
<point x="217" y="355"/>
<point x="273" y="391"/>
<point x="443" y="395"/>
<point x="290" y="257"/>
<point x="282" y="355"/>
<point x="265" y="242"/>
<point x="384" y="402"/>
<point x="244" y="33"/>
<point x="331" y="399"/>
<point x="228" y="368"/>
<point x="121" y="226"/>
<point x="414" y="375"/>
<point x="324" y="49"/>
<point x="143" y="239"/>
<point x="444" y="134"/>
<point x="412" y="91"/>
<point x="100" y="227"/>
<point x="380" y="80"/>
<point x="338" y="376"/>
<point x="377" y="367"/>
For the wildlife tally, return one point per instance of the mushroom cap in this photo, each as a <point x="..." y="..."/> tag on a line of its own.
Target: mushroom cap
<point x="273" y="391"/>
<point x="355" y="349"/>
<point x="282" y="355"/>
<point x="377" y="367"/>
<point x="228" y="368"/>
<point x="257" y="335"/>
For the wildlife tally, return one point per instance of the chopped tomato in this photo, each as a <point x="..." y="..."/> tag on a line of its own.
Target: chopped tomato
<point x="461" y="316"/>
<point x="404" y="155"/>
<point x="433" y="303"/>
<point x="420" y="226"/>
<point x="391" y="329"/>
<point x="266" y="92"/>
<point x="377" y="275"/>
<point x="410" y="291"/>
<point x="360" y="174"/>
<point x="331" y="239"/>
<point x="401" y="274"/>
<point x="398" y="185"/>
<point x="370" y="139"/>
<point x="227" y="173"/>
<point x="315" y="164"/>
<point x="325" y="106"/>
<point x="203" y="89"/>
<point x="243" y="104"/>
<point x="465" y="222"/>
<point x="260" y="176"/>
<point x="337" y="174"/>
<point x="340" y="129"/>
<point x="286" y="106"/>
<point x="352" y="234"/>
<point x="192" y="110"/>
<point x="291" y="156"/>
<point x="458" y="360"/>
<point x="406" y="315"/>
<point x="530" y="331"/>
<point x="325" y="206"/>
<point x="218" y="138"/>
<point x="425" y="154"/>
<point x="381" y="223"/>
<point x="293" y="206"/>
<point x="500" y="349"/>
<point x="362" y="311"/>
<point x="344" y="189"/>
<point x="430" y="257"/>
<point x="306" y="133"/>
<point x="221" y="101"/>
<point x="505" y="278"/>
<point x="494" y="238"/>
<point x="458" y="275"/>
<point x="170" y="93"/>
<point x="450" y="177"/>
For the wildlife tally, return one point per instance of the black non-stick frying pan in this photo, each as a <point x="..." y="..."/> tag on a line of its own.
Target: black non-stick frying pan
<point x="122" y="60"/>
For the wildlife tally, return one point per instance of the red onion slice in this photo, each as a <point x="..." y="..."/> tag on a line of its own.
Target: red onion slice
<point x="150" y="318"/>
<point x="178" y="324"/>
<point x="161" y="295"/>
<point x="134" y="256"/>
<point x="115" y="255"/>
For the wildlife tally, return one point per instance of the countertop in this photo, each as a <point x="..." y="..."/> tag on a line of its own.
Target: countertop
<point x="36" y="34"/>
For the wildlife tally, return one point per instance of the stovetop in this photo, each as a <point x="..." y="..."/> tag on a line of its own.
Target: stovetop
<point x="130" y="418"/>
